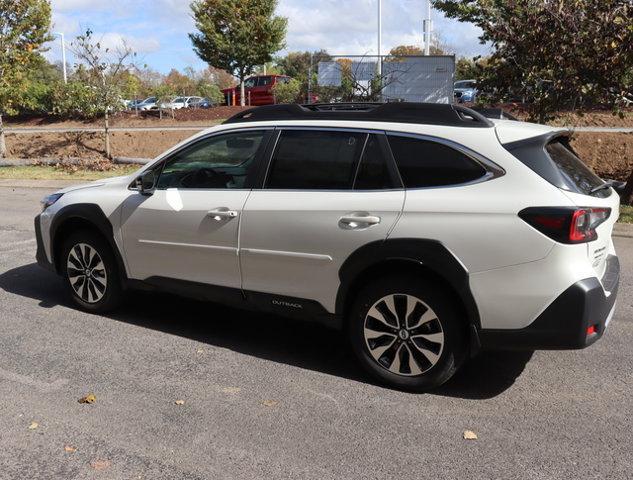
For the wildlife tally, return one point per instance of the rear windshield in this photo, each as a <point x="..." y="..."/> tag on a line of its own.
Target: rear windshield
<point x="555" y="161"/>
<point x="576" y="174"/>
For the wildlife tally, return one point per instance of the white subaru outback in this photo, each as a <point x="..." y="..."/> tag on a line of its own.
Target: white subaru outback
<point x="426" y="232"/>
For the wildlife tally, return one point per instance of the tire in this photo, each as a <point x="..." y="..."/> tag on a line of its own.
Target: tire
<point x="102" y="292"/>
<point x="406" y="333"/>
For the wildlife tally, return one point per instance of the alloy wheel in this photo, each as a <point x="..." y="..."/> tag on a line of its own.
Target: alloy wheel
<point x="403" y="335"/>
<point x="86" y="273"/>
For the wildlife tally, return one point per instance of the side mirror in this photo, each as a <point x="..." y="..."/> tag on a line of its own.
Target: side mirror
<point x="146" y="182"/>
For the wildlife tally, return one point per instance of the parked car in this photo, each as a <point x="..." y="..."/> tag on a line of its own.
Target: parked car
<point x="465" y="91"/>
<point x="425" y="232"/>
<point x="258" y="90"/>
<point x="178" y="103"/>
<point x="148" y="104"/>
<point x="202" y="103"/>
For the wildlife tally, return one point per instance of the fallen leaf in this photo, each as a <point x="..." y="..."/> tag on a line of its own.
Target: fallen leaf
<point x="33" y="425"/>
<point x="270" y="403"/>
<point x="179" y="402"/>
<point x="70" y="449"/>
<point x="200" y="350"/>
<point x="470" y="435"/>
<point x="100" y="464"/>
<point x="90" y="398"/>
<point x="231" y="389"/>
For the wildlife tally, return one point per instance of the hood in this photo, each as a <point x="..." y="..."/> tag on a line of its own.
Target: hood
<point x="96" y="183"/>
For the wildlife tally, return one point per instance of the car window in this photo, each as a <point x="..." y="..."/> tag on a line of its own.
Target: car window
<point x="374" y="172"/>
<point x="264" y="81"/>
<point x="178" y="100"/>
<point x="315" y="160"/>
<point x="576" y="174"/>
<point x="283" y="79"/>
<point x="424" y="163"/>
<point x="221" y="161"/>
<point x="250" y="82"/>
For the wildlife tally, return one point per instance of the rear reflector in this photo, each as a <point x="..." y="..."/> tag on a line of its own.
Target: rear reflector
<point x="566" y="225"/>
<point x="591" y="330"/>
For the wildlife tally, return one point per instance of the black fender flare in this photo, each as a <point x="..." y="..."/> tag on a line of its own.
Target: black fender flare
<point x="90" y="213"/>
<point x="430" y="254"/>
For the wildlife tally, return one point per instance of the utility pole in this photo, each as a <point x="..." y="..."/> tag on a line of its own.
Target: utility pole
<point x="427" y="26"/>
<point x="379" y="37"/>
<point x="63" y="56"/>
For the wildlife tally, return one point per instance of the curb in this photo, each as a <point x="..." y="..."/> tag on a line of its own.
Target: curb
<point x="624" y="230"/>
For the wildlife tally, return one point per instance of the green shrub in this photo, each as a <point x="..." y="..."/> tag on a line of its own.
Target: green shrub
<point x="75" y="99"/>
<point x="287" y="92"/>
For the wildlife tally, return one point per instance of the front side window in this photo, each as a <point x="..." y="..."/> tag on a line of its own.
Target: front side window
<point x="315" y="160"/>
<point x="264" y="81"/>
<point x="424" y="163"/>
<point x="250" y="82"/>
<point x="221" y="161"/>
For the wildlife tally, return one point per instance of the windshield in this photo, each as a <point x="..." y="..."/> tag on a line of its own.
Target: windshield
<point x="465" y="84"/>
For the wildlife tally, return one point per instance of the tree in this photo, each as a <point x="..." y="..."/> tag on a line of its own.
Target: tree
<point x="406" y="50"/>
<point x="179" y="83"/>
<point x="24" y="26"/>
<point x="554" y="54"/>
<point x="298" y="66"/>
<point x="287" y="92"/>
<point x="237" y="35"/>
<point x="469" y="68"/>
<point x="104" y="72"/>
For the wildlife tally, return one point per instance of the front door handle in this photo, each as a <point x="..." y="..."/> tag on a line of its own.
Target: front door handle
<point x="221" y="213"/>
<point x="354" y="222"/>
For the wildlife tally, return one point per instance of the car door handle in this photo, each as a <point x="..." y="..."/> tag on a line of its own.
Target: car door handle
<point x="221" y="213"/>
<point x="358" y="221"/>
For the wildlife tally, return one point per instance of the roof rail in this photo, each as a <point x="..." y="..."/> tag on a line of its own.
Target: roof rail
<point x="402" y="112"/>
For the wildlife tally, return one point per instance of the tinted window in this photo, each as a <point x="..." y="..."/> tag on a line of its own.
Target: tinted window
<point x="250" y="82"/>
<point x="374" y="172"/>
<point x="315" y="160"/>
<point x="263" y="81"/>
<point x="578" y="177"/>
<point x="222" y="161"/>
<point x="424" y="163"/>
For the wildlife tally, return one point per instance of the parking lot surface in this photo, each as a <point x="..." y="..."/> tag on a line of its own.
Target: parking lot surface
<point x="266" y="397"/>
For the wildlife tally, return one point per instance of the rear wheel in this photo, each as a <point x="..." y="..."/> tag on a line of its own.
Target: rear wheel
<point x="406" y="333"/>
<point x="90" y="272"/>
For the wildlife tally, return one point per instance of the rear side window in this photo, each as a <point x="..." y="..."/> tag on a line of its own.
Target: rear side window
<point x="424" y="163"/>
<point x="315" y="160"/>
<point x="575" y="173"/>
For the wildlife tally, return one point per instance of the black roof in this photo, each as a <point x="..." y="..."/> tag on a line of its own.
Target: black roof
<point x="400" y="112"/>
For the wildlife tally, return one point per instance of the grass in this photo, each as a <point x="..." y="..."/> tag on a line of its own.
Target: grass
<point x="626" y="214"/>
<point x="38" y="172"/>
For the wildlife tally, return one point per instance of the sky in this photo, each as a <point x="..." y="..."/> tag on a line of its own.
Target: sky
<point x="157" y="29"/>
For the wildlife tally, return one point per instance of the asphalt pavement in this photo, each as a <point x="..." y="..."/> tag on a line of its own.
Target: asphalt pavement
<point x="271" y="398"/>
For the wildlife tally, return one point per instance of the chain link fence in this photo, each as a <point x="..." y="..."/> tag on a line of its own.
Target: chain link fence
<point x="389" y="78"/>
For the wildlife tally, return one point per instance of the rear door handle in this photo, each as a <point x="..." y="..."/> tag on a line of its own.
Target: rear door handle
<point x="221" y="213"/>
<point x="353" y="222"/>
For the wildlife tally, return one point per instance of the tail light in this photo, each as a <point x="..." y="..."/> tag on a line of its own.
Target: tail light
<point x="566" y="225"/>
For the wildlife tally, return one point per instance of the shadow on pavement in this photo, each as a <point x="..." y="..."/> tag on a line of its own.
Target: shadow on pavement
<point x="265" y="336"/>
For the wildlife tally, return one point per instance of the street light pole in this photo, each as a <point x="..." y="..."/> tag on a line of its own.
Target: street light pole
<point x="63" y="56"/>
<point x="379" y="37"/>
<point x="428" y="27"/>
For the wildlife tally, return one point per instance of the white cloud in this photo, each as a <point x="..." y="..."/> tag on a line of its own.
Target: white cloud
<point x="140" y="45"/>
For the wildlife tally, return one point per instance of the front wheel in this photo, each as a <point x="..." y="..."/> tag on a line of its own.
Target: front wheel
<point x="406" y="333"/>
<point x="90" y="272"/>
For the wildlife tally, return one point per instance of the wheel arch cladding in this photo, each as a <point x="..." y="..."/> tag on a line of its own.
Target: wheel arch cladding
<point x="82" y="216"/>
<point x="425" y="257"/>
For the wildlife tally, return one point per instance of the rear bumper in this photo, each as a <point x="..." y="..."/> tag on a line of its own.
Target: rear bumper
<point x="587" y="304"/>
<point x="40" y="255"/>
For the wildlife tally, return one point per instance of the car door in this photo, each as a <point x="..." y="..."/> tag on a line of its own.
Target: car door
<point x="326" y="193"/>
<point x="188" y="228"/>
